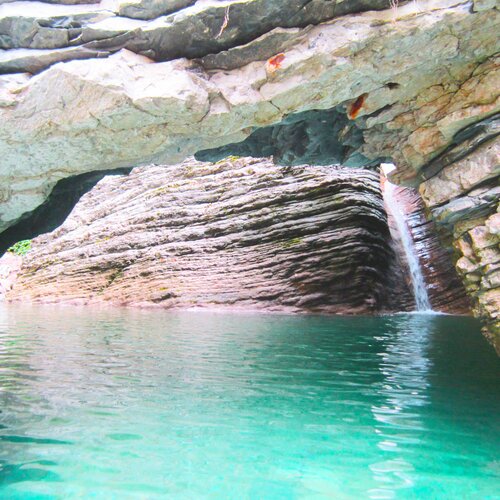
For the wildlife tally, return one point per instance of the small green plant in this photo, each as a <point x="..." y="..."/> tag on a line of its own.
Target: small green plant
<point x="21" y="247"/>
<point x="230" y="158"/>
<point x="291" y="243"/>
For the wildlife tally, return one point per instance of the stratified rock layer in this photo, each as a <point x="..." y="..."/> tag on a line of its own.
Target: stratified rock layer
<point x="241" y="233"/>
<point x="411" y="77"/>
<point x="417" y="84"/>
<point x="9" y="266"/>
<point x="463" y="197"/>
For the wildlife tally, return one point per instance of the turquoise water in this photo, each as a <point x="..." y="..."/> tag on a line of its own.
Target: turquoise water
<point x="121" y="404"/>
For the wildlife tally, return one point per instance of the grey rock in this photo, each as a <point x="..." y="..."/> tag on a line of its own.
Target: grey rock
<point x="460" y="177"/>
<point x="34" y="61"/>
<point x="262" y="48"/>
<point x="480" y="5"/>
<point x="44" y="26"/>
<point x="320" y="137"/>
<point x="464" y="143"/>
<point x="476" y="204"/>
<point x="202" y="29"/>
<point x="150" y="9"/>
<point x="163" y="30"/>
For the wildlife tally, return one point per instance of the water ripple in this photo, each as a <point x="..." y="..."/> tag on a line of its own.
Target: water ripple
<point x="136" y="404"/>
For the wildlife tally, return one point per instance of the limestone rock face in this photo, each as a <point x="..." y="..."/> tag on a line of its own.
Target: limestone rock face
<point x="210" y="74"/>
<point x="480" y="267"/>
<point x="241" y="233"/>
<point x="464" y="201"/>
<point x="460" y="177"/>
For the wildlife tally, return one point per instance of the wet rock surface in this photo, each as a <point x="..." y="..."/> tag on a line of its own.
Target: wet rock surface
<point x="306" y="81"/>
<point x="242" y="233"/>
<point x="444" y="287"/>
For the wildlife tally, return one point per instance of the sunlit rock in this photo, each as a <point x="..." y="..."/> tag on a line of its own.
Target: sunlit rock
<point x="122" y="83"/>
<point x="127" y="110"/>
<point x="464" y="199"/>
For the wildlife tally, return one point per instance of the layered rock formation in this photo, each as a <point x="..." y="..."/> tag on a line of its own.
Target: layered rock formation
<point x="445" y="290"/>
<point x="463" y="197"/>
<point x="54" y="210"/>
<point x="9" y="267"/>
<point x="239" y="233"/>
<point x="411" y="77"/>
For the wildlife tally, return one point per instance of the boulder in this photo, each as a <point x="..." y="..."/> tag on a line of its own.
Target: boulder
<point x="240" y="233"/>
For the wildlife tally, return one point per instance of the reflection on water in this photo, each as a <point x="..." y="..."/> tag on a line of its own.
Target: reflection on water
<point x="135" y="404"/>
<point x="404" y="364"/>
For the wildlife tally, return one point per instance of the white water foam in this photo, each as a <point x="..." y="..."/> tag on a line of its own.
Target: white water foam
<point x="417" y="278"/>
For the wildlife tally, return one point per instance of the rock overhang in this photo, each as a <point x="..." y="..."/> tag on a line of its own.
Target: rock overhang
<point x="361" y="71"/>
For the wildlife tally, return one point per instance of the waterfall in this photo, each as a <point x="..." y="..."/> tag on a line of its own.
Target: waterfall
<point x="417" y="278"/>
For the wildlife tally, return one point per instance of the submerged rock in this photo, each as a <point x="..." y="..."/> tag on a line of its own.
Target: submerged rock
<point x="240" y="233"/>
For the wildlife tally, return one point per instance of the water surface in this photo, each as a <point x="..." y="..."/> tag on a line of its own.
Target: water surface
<point x="119" y="404"/>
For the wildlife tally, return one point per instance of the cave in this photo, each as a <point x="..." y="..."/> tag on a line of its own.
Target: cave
<point x="249" y="248"/>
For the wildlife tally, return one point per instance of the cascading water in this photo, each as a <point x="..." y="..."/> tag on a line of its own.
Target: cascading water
<point x="419" y="289"/>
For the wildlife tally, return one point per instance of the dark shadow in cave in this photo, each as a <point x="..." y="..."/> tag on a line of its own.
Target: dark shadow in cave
<point x="53" y="212"/>
<point x="317" y="137"/>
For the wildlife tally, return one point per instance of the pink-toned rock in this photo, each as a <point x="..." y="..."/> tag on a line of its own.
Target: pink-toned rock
<point x="9" y="267"/>
<point x="445" y="290"/>
<point x="243" y="233"/>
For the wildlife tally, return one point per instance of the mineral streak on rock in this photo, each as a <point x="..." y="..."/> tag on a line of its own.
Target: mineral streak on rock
<point x="240" y="233"/>
<point x="355" y="108"/>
